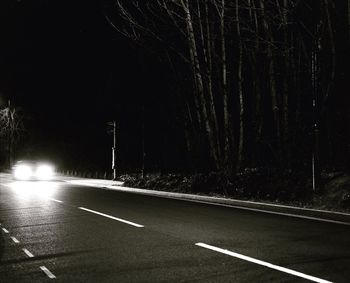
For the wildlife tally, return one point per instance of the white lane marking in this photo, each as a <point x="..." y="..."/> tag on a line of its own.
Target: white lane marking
<point x="28" y="253"/>
<point x="56" y="200"/>
<point x="112" y="217"/>
<point x="15" y="240"/>
<point x="271" y="212"/>
<point x="179" y="196"/>
<point x="264" y="263"/>
<point x="5" y="230"/>
<point x="47" y="272"/>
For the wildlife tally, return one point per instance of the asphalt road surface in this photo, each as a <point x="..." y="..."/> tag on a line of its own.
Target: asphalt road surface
<point x="68" y="233"/>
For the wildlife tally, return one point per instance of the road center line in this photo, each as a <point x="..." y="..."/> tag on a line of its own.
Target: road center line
<point x="263" y="263"/>
<point x="112" y="217"/>
<point x="15" y="240"/>
<point x="28" y="253"/>
<point x="47" y="272"/>
<point x="5" y="230"/>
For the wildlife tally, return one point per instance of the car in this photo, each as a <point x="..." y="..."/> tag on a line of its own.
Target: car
<point x="25" y="170"/>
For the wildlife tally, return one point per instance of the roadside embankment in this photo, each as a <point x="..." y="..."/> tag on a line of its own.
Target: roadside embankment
<point x="329" y="204"/>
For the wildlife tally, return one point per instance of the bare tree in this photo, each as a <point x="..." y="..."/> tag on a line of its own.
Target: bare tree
<point x="248" y="63"/>
<point x="11" y="127"/>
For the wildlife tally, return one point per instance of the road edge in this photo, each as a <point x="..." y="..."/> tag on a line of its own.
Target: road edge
<point x="316" y="214"/>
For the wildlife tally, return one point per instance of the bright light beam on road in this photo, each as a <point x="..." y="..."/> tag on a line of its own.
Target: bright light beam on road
<point x="41" y="189"/>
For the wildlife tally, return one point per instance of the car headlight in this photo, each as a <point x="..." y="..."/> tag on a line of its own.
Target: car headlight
<point x="44" y="172"/>
<point x="23" y="172"/>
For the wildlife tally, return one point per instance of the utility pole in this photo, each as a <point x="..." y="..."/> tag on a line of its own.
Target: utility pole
<point x="113" y="124"/>
<point x="114" y="153"/>
<point x="143" y="143"/>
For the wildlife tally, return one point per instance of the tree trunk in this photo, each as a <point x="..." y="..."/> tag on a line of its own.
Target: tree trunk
<point x="333" y="54"/>
<point x="286" y="76"/>
<point x="227" y="125"/>
<point x="199" y="81"/>
<point x="272" y="80"/>
<point x="257" y="115"/>
<point x="240" y="90"/>
<point x="206" y="46"/>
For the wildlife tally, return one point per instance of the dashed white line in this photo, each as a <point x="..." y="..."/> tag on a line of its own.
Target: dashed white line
<point x="5" y="230"/>
<point x="47" y="272"/>
<point x="28" y="253"/>
<point x="112" y="217"/>
<point x="56" y="200"/>
<point x="15" y="240"/>
<point x="263" y="263"/>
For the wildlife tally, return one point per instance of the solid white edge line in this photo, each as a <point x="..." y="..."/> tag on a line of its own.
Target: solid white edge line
<point x="217" y="198"/>
<point x="47" y="272"/>
<point x="263" y="263"/>
<point x="112" y="217"/>
<point x="15" y="240"/>
<point x="5" y="230"/>
<point x="166" y="195"/>
<point x="271" y="212"/>
<point x="28" y="253"/>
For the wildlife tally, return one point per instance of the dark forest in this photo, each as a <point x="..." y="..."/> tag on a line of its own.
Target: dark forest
<point x="195" y="86"/>
<point x="254" y="83"/>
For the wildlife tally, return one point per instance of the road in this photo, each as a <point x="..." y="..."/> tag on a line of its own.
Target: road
<point x="69" y="233"/>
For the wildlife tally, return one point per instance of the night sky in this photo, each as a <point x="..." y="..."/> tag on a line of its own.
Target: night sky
<point x="70" y="72"/>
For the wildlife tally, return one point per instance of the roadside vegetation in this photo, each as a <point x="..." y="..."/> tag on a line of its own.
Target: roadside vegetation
<point x="255" y="184"/>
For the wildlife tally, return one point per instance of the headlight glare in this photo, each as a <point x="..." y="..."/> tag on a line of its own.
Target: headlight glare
<point x="44" y="172"/>
<point x="23" y="172"/>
